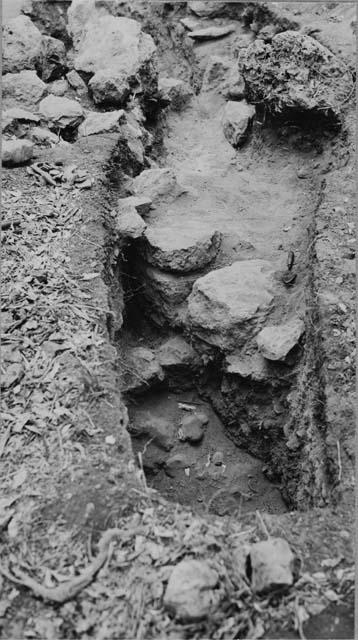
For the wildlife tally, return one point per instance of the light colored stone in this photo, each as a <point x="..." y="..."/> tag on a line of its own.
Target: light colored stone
<point x="24" y="89"/>
<point x="190" y="591"/>
<point x="218" y="458"/>
<point x="222" y="75"/>
<point x="176" y="464"/>
<point x="227" y="304"/>
<point x="41" y="135"/>
<point x="110" y="87"/>
<point x="12" y="117"/>
<point x="76" y="82"/>
<point x="21" y="45"/>
<point x="210" y="33"/>
<point x="236" y="120"/>
<point x="272" y="565"/>
<point x="96" y="122"/>
<point x="15" y="152"/>
<point x="192" y="427"/>
<point x="176" y="91"/>
<point x="61" y="112"/>
<point x="179" y="248"/>
<point x="253" y="366"/>
<point x="78" y="14"/>
<point x="53" y="58"/>
<point x="206" y="9"/>
<point x="156" y="184"/>
<point x="141" y="204"/>
<point x="275" y="342"/>
<point x="58" y="87"/>
<point x="159" y="430"/>
<point x="143" y="370"/>
<point x="128" y="223"/>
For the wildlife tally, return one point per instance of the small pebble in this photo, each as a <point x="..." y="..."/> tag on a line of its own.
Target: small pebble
<point x="218" y="458"/>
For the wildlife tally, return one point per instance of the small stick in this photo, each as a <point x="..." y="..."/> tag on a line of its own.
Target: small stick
<point x="6" y="224"/>
<point x="339" y="461"/>
<point x="263" y="525"/>
<point x="44" y="175"/>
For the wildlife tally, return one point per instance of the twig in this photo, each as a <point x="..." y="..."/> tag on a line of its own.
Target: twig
<point x="339" y="459"/>
<point x="68" y="590"/>
<point x="263" y="525"/>
<point x="4" y="439"/>
<point x="6" y="224"/>
<point x="44" y="175"/>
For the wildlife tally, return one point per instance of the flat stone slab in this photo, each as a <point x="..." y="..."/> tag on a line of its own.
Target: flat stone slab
<point x="210" y="33"/>
<point x="181" y="248"/>
<point x="61" y="112"/>
<point x="276" y="342"/>
<point x="227" y="304"/>
<point x="156" y="184"/>
<point x="97" y="122"/>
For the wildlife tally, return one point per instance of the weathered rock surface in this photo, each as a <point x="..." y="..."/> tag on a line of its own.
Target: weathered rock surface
<point x="115" y="50"/>
<point x="11" y="118"/>
<point x="53" y="61"/>
<point x="177" y="92"/>
<point x="96" y="122"/>
<point x="181" y="249"/>
<point x="206" y="9"/>
<point x="308" y="77"/>
<point x="253" y="366"/>
<point x="176" y="353"/>
<point x="141" y="204"/>
<point x="210" y="33"/>
<point x="161" y="431"/>
<point x="49" y="17"/>
<point x="192" y="427"/>
<point x="227" y="304"/>
<point x="236" y="121"/>
<point x="21" y="45"/>
<point x="24" y="89"/>
<point x="222" y="75"/>
<point x="61" y="112"/>
<point x="276" y="342"/>
<point x="58" y="87"/>
<point x="76" y="82"/>
<point x="271" y="565"/>
<point x="128" y="222"/>
<point x="40" y="135"/>
<point x="110" y="87"/>
<point x="143" y="370"/>
<point x="190" y="591"/>
<point x="156" y="184"/>
<point x="15" y="152"/>
<point x="165" y="294"/>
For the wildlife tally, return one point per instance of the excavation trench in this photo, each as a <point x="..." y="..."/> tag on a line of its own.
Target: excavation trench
<point x="216" y="425"/>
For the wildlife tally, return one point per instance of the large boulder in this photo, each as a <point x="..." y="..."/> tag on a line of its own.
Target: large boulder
<point x="179" y="248"/>
<point x="61" y="113"/>
<point x="115" y="50"/>
<point x="53" y="62"/>
<point x="128" y="223"/>
<point x="236" y="120"/>
<point x="276" y="342"/>
<point x="295" y="72"/>
<point x="227" y="305"/>
<point x="190" y="593"/>
<point x="21" y="45"/>
<point x="15" y="152"/>
<point x="23" y="89"/>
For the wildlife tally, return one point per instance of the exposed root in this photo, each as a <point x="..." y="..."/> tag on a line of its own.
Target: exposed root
<point x="68" y="590"/>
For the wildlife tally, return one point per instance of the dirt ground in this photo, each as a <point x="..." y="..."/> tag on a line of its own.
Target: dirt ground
<point x="68" y="469"/>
